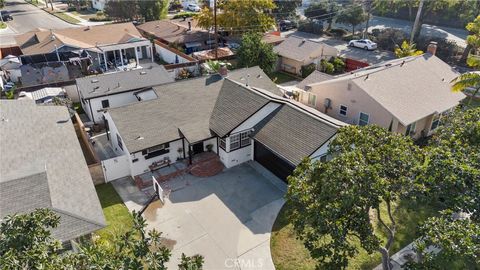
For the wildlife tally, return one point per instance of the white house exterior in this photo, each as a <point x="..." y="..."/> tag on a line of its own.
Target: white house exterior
<point x="241" y="123"/>
<point x="99" y="4"/>
<point x="111" y="90"/>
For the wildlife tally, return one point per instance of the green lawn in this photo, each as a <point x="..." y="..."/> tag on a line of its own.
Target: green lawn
<point x="289" y="252"/>
<point x="281" y="77"/>
<point x="119" y="219"/>
<point x="66" y="17"/>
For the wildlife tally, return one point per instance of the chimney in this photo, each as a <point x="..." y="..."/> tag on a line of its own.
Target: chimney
<point x="223" y="70"/>
<point x="432" y="47"/>
<point x="189" y="25"/>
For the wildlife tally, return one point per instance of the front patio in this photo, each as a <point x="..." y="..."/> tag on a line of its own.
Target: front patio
<point x="203" y="165"/>
<point x="227" y="217"/>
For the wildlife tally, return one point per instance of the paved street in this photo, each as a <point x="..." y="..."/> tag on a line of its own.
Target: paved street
<point x="453" y="34"/>
<point x="27" y="17"/>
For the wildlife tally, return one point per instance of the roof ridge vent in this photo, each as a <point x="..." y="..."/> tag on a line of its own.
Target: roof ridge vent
<point x="143" y="72"/>
<point x="94" y="81"/>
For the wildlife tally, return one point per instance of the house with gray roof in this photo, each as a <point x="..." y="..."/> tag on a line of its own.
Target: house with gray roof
<point x="42" y="166"/>
<point x="408" y="95"/>
<point x="100" y="92"/>
<point x="296" y="52"/>
<point x="240" y="117"/>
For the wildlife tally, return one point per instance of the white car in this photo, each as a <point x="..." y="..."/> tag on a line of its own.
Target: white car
<point x="193" y="7"/>
<point x="365" y="44"/>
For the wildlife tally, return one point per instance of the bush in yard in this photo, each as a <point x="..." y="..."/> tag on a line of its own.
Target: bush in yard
<point x="308" y="69"/>
<point x="389" y="38"/>
<point x="327" y="67"/>
<point x="70" y="9"/>
<point x="184" y="15"/>
<point x="446" y="49"/>
<point x="338" y="64"/>
<point x="338" y="32"/>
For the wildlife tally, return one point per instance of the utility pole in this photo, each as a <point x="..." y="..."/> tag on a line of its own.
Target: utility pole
<point x="215" y="22"/>
<point x="417" y="21"/>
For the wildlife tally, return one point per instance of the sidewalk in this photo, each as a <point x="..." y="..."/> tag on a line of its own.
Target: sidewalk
<point x="61" y="8"/>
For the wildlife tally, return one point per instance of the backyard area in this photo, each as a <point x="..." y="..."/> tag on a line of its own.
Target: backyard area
<point x="288" y="252"/>
<point x="279" y="77"/>
<point x="119" y="220"/>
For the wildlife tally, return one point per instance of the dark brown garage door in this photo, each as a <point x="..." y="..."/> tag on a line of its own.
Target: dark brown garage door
<point x="281" y="168"/>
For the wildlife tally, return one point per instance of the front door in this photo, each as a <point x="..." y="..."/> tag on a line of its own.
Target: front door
<point x="197" y="148"/>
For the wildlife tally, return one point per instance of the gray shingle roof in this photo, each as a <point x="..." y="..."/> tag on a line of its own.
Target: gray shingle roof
<point x="293" y="133"/>
<point x="234" y="105"/>
<point x="183" y="107"/>
<point x="298" y="48"/>
<point x="42" y="165"/>
<point x="315" y="77"/>
<point x="117" y="82"/>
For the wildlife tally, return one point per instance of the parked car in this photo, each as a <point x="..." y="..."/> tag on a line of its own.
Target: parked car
<point x="193" y="7"/>
<point x="286" y="25"/>
<point x="365" y="44"/>
<point x="5" y="15"/>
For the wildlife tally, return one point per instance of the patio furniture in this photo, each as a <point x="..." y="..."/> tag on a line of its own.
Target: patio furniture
<point x="159" y="164"/>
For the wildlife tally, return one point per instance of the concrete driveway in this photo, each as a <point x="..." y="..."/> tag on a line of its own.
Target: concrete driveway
<point x="226" y="218"/>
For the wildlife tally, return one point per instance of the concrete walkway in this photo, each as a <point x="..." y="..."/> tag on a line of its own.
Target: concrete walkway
<point x="227" y="218"/>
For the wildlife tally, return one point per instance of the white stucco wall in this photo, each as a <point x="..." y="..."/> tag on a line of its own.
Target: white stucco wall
<point x="99" y="4"/>
<point x="116" y="100"/>
<point x="113" y="136"/>
<point x="141" y="166"/>
<point x="236" y="157"/>
<point x="169" y="56"/>
<point x="213" y="142"/>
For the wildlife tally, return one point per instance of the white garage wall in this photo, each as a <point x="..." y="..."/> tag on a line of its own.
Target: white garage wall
<point x="169" y="56"/>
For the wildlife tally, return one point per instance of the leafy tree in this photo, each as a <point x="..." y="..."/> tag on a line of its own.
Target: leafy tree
<point x="308" y="69"/>
<point x="239" y="16"/>
<point x="26" y="243"/>
<point x="254" y="52"/>
<point x="324" y="11"/>
<point x="471" y="80"/>
<point x="407" y="49"/>
<point x="121" y="10"/>
<point x="152" y="10"/>
<point x="334" y="203"/>
<point x="286" y="9"/>
<point x="457" y="238"/>
<point x="451" y="177"/>
<point x="327" y="67"/>
<point x="213" y="66"/>
<point x="353" y="15"/>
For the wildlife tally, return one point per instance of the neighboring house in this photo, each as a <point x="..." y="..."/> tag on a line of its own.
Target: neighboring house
<point x="10" y="65"/>
<point x="407" y="95"/>
<point x="93" y="48"/>
<point x="44" y="95"/>
<point x="100" y="92"/>
<point x="239" y="121"/>
<point x="99" y="4"/>
<point x="42" y="166"/>
<point x="296" y="52"/>
<point x="175" y="34"/>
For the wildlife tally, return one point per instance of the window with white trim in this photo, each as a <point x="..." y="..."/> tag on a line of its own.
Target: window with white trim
<point x="234" y="142"/>
<point x="245" y="138"/>
<point x="343" y="110"/>
<point x="223" y="143"/>
<point x="363" y="119"/>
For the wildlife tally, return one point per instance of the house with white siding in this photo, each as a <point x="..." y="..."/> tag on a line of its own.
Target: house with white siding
<point x="241" y="117"/>
<point x="109" y="90"/>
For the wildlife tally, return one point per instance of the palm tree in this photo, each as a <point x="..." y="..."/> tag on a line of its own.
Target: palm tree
<point x="467" y="81"/>
<point x="407" y="49"/>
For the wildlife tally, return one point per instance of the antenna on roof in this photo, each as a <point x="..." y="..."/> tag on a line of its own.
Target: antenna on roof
<point x="245" y="79"/>
<point x="403" y="62"/>
<point x="108" y="90"/>
<point x="366" y="77"/>
<point x="303" y="41"/>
